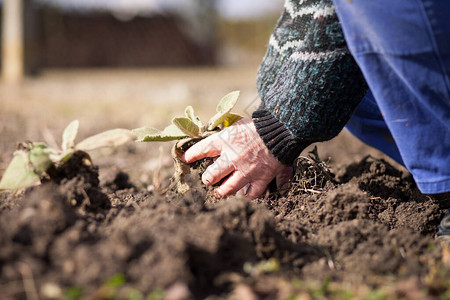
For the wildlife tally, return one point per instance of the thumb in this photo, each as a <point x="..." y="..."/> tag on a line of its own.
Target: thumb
<point x="284" y="177"/>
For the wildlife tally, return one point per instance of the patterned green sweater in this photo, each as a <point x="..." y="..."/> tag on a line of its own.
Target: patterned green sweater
<point x="308" y="81"/>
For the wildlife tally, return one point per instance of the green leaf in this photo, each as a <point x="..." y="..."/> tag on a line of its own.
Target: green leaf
<point x="143" y="134"/>
<point x="231" y="119"/>
<point x="69" y="135"/>
<point x="149" y="134"/>
<point x="109" y="138"/>
<point x="187" y="126"/>
<point x="62" y="156"/>
<point x="134" y="294"/>
<point x="157" y="294"/>
<point x="39" y="156"/>
<point x="228" y="102"/>
<point x="224" y="107"/>
<point x="189" y="112"/>
<point x="73" y="293"/>
<point x="25" y="168"/>
<point x="116" y="281"/>
<point x="18" y="175"/>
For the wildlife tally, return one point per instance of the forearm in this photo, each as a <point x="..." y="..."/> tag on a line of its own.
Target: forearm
<point x="308" y="82"/>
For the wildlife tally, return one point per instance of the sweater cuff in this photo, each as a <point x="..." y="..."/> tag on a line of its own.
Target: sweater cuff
<point x="277" y="137"/>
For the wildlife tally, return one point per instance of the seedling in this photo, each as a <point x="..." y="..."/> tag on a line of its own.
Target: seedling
<point x="190" y="129"/>
<point x="32" y="160"/>
<point x="190" y="125"/>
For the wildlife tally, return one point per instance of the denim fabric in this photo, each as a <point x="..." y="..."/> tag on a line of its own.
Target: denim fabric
<point x="368" y="125"/>
<point x="403" y="50"/>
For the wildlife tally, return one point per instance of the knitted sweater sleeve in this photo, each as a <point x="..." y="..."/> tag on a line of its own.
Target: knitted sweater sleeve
<point x="308" y="82"/>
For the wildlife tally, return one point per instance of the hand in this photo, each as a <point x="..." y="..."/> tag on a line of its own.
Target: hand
<point x="242" y="153"/>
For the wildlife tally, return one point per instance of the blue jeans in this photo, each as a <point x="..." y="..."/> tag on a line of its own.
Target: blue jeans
<point x="403" y="50"/>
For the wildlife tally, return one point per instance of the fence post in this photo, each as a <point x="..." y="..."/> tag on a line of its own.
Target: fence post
<point x="12" y="35"/>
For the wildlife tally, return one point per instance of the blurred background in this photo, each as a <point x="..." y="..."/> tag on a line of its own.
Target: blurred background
<point x="140" y="33"/>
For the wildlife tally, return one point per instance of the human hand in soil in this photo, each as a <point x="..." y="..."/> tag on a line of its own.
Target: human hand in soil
<point x="241" y="154"/>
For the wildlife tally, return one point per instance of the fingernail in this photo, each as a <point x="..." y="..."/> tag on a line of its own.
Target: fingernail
<point x="206" y="180"/>
<point x="217" y="193"/>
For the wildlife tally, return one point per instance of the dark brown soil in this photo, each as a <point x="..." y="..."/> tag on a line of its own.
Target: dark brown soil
<point x="371" y="227"/>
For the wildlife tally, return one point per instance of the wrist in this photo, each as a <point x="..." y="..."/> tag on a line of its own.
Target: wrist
<point x="277" y="137"/>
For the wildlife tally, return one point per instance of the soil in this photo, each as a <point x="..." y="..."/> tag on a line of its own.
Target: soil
<point x="99" y="229"/>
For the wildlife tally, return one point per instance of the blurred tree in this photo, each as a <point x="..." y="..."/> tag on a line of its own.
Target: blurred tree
<point x="12" y="41"/>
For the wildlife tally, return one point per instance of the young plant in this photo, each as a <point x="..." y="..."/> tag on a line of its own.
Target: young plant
<point x="190" y="129"/>
<point x="32" y="160"/>
<point x="190" y="126"/>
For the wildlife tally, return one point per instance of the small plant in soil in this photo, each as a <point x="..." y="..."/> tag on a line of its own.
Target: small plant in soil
<point x="34" y="161"/>
<point x="311" y="174"/>
<point x="189" y="129"/>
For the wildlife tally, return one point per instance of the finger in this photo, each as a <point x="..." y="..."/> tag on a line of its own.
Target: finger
<point x="218" y="170"/>
<point x="209" y="147"/>
<point x="284" y="177"/>
<point x="243" y="191"/>
<point x="233" y="184"/>
<point x="256" y="189"/>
